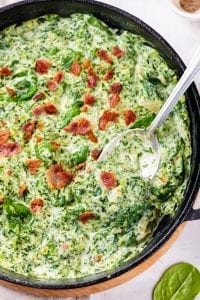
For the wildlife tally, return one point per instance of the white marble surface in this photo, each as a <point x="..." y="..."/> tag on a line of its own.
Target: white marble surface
<point x="184" y="36"/>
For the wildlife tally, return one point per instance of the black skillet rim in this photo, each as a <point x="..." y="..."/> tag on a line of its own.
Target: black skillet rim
<point x="190" y="193"/>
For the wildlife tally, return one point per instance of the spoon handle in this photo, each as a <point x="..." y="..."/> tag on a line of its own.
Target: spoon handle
<point x="184" y="82"/>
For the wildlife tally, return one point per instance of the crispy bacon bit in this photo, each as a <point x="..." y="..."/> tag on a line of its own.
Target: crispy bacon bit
<point x="114" y="100"/>
<point x="86" y="63"/>
<point x="97" y="258"/>
<point x="39" y="96"/>
<point x="22" y="189"/>
<point x="89" y="99"/>
<point x="42" y="66"/>
<point x="9" y="172"/>
<point x="116" y="88"/>
<point x="109" y="75"/>
<point x="129" y="116"/>
<point x="11" y="92"/>
<point x="33" y="165"/>
<point x="1" y="201"/>
<point x="92" y="78"/>
<point x="103" y="54"/>
<point x="84" y="108"/>
<point x="92" y="81"/>
<point x="28" y="129"/>
<point x="75" y="68"/>
<point x="57" y="177"/>
<point x="4" y="136"/>
<point x="40" y="126"/>
<point x="86" y="216"/>
<point x="64" y="246"/>
<point x="91" y="71"/>
<point x="116" y="51"/>
<point x="38" y="139"/>
<point x="50" y="109"/>
<point x="108" y="116"/>
<point x="82" y="127"/>
<point x="9" y="149"/>
<point x="96" y="153"/>
<point x="108" y="179"/>
<point x="52" y="85"/>
<point x="92" y="137"/>
<point x="81" y="166"/>
<point x="5" y="71"/>
<point x="59" y="77"/>
<point x="36" y="205"/>
<point x="55" y="145"/>
<point x="38" y="110"/>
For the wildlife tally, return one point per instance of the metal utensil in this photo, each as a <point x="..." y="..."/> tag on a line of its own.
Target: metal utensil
<point x="151" y="167"/>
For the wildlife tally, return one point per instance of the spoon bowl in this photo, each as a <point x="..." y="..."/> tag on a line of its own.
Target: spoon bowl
<point x="149" y="165"/>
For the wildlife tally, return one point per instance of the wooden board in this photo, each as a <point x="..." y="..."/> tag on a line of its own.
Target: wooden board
<point x="104" y="285"/>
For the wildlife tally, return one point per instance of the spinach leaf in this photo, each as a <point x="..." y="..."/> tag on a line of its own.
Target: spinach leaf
<point x="73" y="112"/>
<point x="96" y="23"/>
<point x="70" y="57"/>
<point x="143" y="122"/>
<point x="16" y="212"/>
<point x="80" y="156"/>
<point x="44" y="151"/>
<point x="179" y="282"/>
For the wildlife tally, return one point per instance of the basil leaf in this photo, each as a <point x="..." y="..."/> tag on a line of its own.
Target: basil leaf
<point x="70" y="58"/>
<point x="144" y="122"/>
<point x="17" y="213"/>
<point x="73" y="112"/>
<point x="179" y="282"/>
<point x="80" y="156"/>
<point x="96" y="23"/>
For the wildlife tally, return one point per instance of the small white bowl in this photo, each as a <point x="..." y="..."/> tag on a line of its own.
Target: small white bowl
<point x="175" y="5"/>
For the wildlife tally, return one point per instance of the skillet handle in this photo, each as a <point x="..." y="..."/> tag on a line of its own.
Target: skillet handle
<point x="194" y="214"/>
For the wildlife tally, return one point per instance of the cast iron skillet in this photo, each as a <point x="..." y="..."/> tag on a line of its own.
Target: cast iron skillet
<point x="116" y="18"/>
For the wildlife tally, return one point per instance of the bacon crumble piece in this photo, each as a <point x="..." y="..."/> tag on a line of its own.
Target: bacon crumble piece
<point x="97" y="258"/>
<point x="116" y="51"/>
<point x="38" y="139"/>
<point x="86" y="216"/>
<point x="57" y="177"/>
<point x="129" y="116"/>
<point x="39" y="96"/>
<point x="9" y="149"/>
<point x="4" y="136"/>
<point x="11" y="92"/>
<point x="75" y="68"/>
<point x="84" y="108"/>
<point x="42" y="66"/>
<point x="81" y="166"/>
<point x="86" y="63"/>
<point x="89" y="99"/>
<point x="82" y="127"/>
<point x="33" y="165"/>
<point x="64" y="247"/>
<point x="52" y="85"/>
<point x="5" y="71"/>
<point x="114" y="100"/>
<point x="107" y="116"/>
<point x="96" y="153"/>
<point x="50" y="109"/>
<point x="59" y="77"/>
<point x="116" y="88"/>
<point x="108" y="179"/>
<point x="22" y="189"/>
<point x="92" y="78"/>
<point x="40" y="126"/>
<point x="28" y="129"/>
<point x="1" y="201"/>
<point x="36" y="205"/>
<point x="9" y="172"/>
<point x="103" y="54"/>
<point x="109" y="75"/>
<point x="55" y="145"/>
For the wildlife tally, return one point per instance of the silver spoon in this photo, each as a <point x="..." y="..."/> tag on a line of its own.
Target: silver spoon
<point x="150" y="133"/>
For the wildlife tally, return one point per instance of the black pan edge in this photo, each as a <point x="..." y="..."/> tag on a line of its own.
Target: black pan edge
<point x="7" y="16"/>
